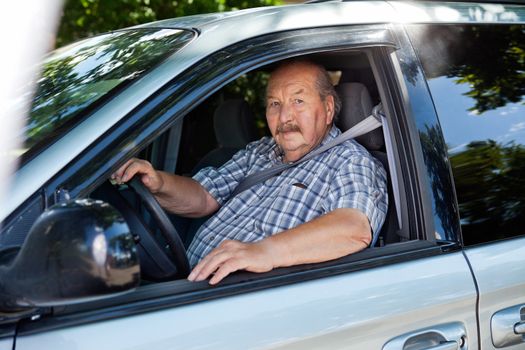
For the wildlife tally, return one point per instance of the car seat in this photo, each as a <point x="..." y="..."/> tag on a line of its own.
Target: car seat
<point x="234" y="127"/>
<point x="356" y="106"/>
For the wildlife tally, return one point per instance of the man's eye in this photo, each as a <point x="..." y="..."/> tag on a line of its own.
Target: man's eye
<point x="274" y="104"/>
<point x="298" y="101"/>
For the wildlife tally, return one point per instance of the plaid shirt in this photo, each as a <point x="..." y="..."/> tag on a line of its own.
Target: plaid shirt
<point x="345" y="176"/>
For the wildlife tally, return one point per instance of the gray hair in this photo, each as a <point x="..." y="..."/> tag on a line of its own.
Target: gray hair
<point x="325" y="88"/>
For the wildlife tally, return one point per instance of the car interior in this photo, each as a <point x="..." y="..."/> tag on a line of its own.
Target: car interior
<point x="220" y="126"/>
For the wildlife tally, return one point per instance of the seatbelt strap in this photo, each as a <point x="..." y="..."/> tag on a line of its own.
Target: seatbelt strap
<point x="368" y="124"/>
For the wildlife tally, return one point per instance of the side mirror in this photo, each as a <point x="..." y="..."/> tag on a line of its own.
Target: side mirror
<point x="75" y="252"/>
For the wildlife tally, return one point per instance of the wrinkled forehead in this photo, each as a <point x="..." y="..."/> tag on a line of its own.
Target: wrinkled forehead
<point x="292" y="77"/>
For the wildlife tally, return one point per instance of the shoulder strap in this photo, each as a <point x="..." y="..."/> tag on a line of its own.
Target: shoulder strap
<point x="368" y="124"/>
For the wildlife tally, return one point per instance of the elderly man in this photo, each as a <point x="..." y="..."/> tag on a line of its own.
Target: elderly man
<point x="321" y="209"/>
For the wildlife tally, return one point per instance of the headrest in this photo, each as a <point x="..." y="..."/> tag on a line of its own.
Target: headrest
<point x="234" y="124"/>
<point x="356" y="106"/>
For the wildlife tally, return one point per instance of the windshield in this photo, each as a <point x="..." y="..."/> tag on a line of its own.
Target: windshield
<point x="78" y="78"/>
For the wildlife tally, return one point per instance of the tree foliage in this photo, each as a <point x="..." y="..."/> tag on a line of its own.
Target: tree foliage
<point x="491" y="189"/>
<point x="495" y="76"/>
<point x="70" y="83"/>
<point x="84" y="18"/>
<point x="488" y="59"/>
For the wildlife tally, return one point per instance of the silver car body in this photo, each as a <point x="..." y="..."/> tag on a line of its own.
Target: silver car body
<point x="451" y="297"/>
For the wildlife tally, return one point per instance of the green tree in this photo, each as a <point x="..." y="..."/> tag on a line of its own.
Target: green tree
<point x="495" y="76"/>
<point x="490" y="189"/>
<point x="84" y="18"/>
<point x="488" y="59"/>
<point x="70" y="83"/>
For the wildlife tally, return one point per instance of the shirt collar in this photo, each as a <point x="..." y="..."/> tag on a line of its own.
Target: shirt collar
<point x="276" y="154"/>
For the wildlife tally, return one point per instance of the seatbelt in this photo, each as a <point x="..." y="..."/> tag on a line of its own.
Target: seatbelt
<point x="368" y="124"/>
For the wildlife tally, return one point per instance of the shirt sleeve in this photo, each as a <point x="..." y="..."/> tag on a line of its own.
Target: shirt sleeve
<point x="221" y="182"/>
<point x="360" y="184"/>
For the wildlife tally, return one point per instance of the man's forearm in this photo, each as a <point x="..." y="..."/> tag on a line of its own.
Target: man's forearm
<point x="185" y="196"/>
<point x="331" y="236"/>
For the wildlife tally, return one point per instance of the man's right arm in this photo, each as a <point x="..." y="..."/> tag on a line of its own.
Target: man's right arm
<point x="178" y="194"/>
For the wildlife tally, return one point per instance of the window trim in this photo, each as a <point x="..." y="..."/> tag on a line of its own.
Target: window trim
<point x="417" y="106"/>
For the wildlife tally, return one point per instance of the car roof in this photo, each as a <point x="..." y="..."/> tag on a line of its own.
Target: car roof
<point x="218" y="30"/>
<point x="354" y="12"/>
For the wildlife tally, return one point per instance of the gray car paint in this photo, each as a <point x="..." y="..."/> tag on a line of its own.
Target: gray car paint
<point x="500" y="274"/>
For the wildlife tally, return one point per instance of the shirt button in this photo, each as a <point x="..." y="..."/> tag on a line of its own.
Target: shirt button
<point x="211" y="238"/>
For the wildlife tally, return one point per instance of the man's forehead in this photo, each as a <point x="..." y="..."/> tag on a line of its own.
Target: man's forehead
<point x="292" y="81"/>
<point x="297" y="72"/>
<point x="291" y="87"/>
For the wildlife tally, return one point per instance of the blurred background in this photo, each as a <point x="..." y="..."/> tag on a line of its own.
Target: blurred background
<point x="84" y="18"/>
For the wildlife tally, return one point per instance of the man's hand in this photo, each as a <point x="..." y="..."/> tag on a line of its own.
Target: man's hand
<point x="178" y="194"/>
<point x="150" y="177"/>
<point x="231" y="256"/>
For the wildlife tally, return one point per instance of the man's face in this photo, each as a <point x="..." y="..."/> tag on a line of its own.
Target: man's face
<point x="297" y="116"/>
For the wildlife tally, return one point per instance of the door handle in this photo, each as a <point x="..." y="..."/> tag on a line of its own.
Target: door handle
<point x="508" y="326"/>
<point x="519" y="328"/>
<point x="449" y="336"/>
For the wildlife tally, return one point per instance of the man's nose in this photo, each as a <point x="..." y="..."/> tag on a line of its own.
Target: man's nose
<point x="286" y="113"/>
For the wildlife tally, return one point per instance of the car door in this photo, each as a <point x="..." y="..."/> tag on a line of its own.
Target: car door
<point x="418" y="293"/>
<point x="6" y="344"/>
<point x="501" y="295"/>
<point x="427" y="301"/>
<point x="480" y="105"/>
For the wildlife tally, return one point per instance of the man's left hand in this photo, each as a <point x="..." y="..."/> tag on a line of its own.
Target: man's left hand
<point x="231" y="256"/>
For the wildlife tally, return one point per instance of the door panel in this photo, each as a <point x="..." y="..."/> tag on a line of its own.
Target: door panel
<point x="500" y="274"/>
<point x="6" y="344"/>
<point x="359" y="310"/>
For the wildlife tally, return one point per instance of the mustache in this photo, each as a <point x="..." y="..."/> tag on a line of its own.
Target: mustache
<point x="287" y="128"/>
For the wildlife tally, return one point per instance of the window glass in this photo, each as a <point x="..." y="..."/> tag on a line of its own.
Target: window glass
<point x="476" y="74"/>
<point x="78" y="77"/>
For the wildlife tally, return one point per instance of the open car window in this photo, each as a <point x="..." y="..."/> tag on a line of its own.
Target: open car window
<point x="234" y="116"/>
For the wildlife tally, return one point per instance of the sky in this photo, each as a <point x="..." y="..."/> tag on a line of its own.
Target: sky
<point x="462" y="126"/>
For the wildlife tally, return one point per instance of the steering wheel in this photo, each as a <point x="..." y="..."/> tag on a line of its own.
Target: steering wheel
<point x="156" y="262"/>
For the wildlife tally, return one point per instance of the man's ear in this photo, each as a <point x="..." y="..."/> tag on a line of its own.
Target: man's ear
<point x="329" y="105"/>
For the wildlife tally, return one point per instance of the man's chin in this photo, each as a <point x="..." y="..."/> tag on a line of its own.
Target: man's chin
<point x="293" y="152"/>
<point x="289" y="145"/>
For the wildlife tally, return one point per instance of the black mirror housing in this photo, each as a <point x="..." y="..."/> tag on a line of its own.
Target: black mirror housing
<point x="76" y="251"/>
